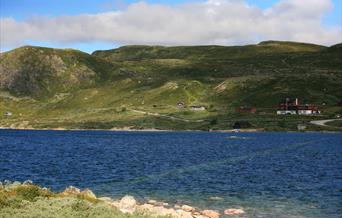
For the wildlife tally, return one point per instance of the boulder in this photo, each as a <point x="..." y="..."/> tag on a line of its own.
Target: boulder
<point x="182" y="214"/>
<point x="211" y="213"/>
<point x="187" y="208"/>
<point x="128" y="204"/>
<point x="234" y="211"/>
<point x="199" y="216"/>
<point x="157" y="210"/>
<point x="71" y="190"/>
<point x="87" y="193"/>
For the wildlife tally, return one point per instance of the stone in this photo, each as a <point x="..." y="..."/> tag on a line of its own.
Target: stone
<point x="128" y="204"/>
<point x="71" y="190"/>
<point x="187" y="208"/>
<point x="157" y="210"/>
<point x="234" y="211"/>
<point x="199" y="216"/>
<point x="87" y="193"/>
<point x="152" y="201"/>
<point x="28" y="182"/>
<point x="216" y="198"/>
<point x="162" y="211"/>
<point x="211" y="213"/>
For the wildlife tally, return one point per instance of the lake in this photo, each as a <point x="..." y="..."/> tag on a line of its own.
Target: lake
<point x="268" y="174"/>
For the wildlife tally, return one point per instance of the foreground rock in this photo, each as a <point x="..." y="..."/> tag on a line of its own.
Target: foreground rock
<point x="128" y="204"/>
<point x="211" y="213"/>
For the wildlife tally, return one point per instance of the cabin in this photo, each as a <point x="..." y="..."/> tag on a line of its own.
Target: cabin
<point x="244" y="109"/>
<point x="293" y="107"/>
<point x="197" y="108"/>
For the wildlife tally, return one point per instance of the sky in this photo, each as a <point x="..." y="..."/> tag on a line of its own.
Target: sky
<point x="90" y="25"/>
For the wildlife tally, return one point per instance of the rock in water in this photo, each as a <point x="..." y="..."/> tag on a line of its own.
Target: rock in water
<point x="211" y="213"/>
<point x="128" y="204"/>
<point x="216" y="198"/>
<point x="234" y="211"/>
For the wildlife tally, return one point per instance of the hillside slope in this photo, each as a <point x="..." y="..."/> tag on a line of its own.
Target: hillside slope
<point x="37" y="71"/>
<point x="140" y="86"/>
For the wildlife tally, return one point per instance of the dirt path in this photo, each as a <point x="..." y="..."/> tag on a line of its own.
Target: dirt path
<point x="323" y="122"/>
<point x="166" y="116"/>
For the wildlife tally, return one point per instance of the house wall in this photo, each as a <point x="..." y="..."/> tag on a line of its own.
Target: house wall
<point x="305" y="112"/>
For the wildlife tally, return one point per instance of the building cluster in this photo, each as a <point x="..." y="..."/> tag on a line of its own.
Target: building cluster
<point x="293" y="107"/>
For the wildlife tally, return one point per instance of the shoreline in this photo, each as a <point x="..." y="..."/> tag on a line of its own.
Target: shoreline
<point x="169" y="130"/>
<point x="38" y="200"/>
<point x="134" y="130"/>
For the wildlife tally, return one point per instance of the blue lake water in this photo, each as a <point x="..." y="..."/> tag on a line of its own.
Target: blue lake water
<point x="268" y="174"/>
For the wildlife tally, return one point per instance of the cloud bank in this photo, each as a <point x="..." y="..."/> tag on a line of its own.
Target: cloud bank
<point x="221" y="22"/>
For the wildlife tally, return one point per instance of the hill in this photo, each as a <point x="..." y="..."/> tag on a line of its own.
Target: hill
<point x="140" y="86"/>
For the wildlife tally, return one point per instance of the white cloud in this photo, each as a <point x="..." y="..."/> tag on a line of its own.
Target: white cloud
<point x="224" y="22"/>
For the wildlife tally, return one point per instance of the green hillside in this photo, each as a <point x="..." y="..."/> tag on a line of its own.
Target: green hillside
<point x="139" y="86"/>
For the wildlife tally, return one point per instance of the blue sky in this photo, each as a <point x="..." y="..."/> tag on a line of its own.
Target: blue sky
<point x="23" y="10"/>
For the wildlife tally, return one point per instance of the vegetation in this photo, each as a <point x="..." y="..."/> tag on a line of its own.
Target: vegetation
<point x="139" y="87"/>
<point x="33" y="201"/>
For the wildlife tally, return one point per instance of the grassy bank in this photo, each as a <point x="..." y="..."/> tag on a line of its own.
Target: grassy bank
<point x="28" y="200"/>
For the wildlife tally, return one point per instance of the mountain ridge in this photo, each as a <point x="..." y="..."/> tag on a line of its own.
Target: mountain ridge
<point x="103" y="89"/>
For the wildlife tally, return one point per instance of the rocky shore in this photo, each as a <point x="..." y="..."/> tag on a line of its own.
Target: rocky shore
<point x="17" y="198"/>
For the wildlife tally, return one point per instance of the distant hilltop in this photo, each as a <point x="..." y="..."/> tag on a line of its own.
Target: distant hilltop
<point x="102" y="89"/>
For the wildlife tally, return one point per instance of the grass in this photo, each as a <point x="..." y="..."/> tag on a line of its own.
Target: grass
<point x="336" y="123"/>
